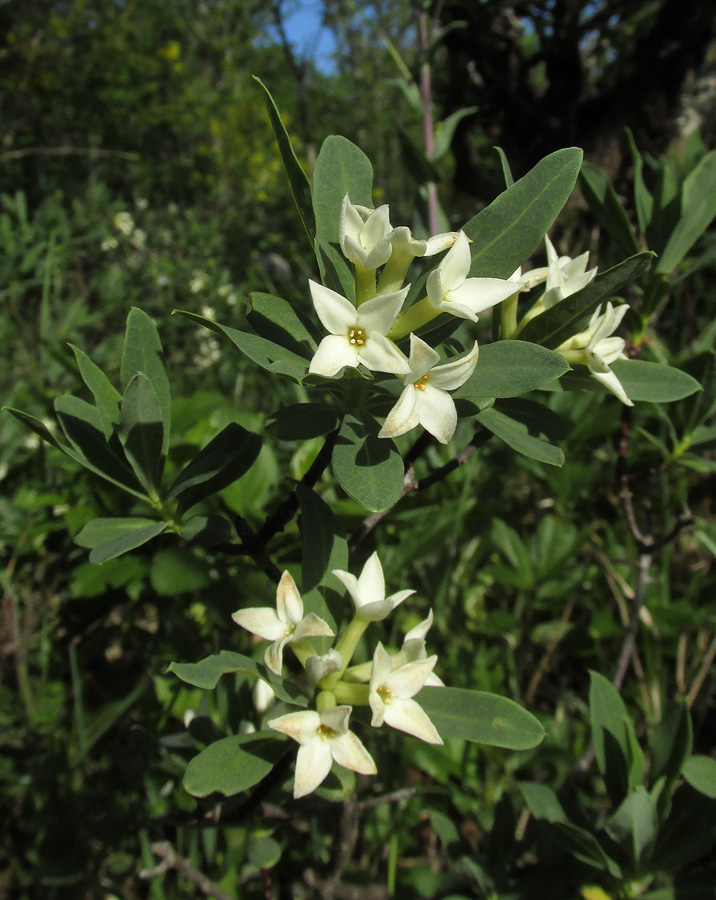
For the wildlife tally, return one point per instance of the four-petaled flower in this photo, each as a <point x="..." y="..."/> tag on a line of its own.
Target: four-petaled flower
<point x="284" y="625"/>
<point x="424" y="400"/>
<point x="595" y="349"/>
<point x="364" y="234"/>
<point x="368" y="591"/>
<point x="358" y="335"/>
<point x="565" y="276"/>
<point x="450" y="290"/>
<point x="413" y="649"/>
<point x="391" y="693"/>
<point x="323" y="738"/>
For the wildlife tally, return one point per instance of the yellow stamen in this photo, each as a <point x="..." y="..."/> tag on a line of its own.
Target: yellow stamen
<point x="420" y="384"/>
<point x="356" y="336"/>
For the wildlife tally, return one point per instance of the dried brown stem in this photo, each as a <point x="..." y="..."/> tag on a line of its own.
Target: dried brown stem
<point x="170" y="860"/>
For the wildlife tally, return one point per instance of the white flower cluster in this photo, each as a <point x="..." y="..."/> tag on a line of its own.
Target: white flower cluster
<point x="387" y="684"/>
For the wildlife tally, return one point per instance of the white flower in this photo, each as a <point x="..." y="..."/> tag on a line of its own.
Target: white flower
<point x="391" y="693"/>
<point x="368" y="591"/>
<point x="364" y="234"/>
<point x="285" y="625"/>
<point x="110" y="243"/>
<point x="323" y="739"/>
<point x="425" y="400"/>
<point x="124" y="222"/>
<point x="318" y="667"/>
<point x="565" y="276"/>
<point x="413" y="649"/>
<point x="357" y="335"/>
<point x="198" y="281"/>
<point x="450" y="290"/>
<point x="262" y="695"/>
<point x="595" y="348"/>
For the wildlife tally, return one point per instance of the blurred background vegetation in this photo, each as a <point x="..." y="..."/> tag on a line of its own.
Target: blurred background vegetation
<point x="138" y="167"/>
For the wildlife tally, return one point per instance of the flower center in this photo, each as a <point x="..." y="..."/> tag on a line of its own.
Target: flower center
<point x="325" y="733"/>
<point x="385" y="694"/>
<point x="420" y="383"/>
<point x="356" y="336"/>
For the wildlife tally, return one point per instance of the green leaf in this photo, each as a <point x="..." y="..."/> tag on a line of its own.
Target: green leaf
<point x="607" y="207"/>
<point x="480" y="717"/>
<point x="141" y="432"/>
<point x="524" y="425"/>
<point x="584" y="847"/>
<point x="643" y="200"/>
<point x="634" y="823"/>
<point x="341" y="168"/>
<point x="511" y="368"/>
<point x="612" y="735"/>
<point x="367" y="467"/>
<point x="698" y="209"/>
<point x="264" y="852"/>
<point x="276" y="320"/>
<point x="224" y="460"/>
<point x="106" y="396"/>
<point x="143" y="353"/>
<point x="324" y="548"/>
<point x="542" y="802"/>
<point x="303" y="421"/>
<point x="700" y="772"/>
<point x="267" y="354"/>
<point x="297" y="178"/>
<point x="445" y="130"/>
<point x="83" y="428"/>
<point x="506" y="170"/>
<point x="565" y="319"/>
<point x="335" y="271"/>
<point x="100" y="722"/>
<point x="508" y="231"/>
<point x="206" y="531"/>
<point x="233" y="764"/>
<point x="109" y="538"/>
<point x="654" y="382"/>
<point x="206" y="673"/>
<point x="39" y="428"/>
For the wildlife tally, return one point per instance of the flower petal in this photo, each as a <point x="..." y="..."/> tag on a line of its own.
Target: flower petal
<point x="379" y="313"/>
<point x="349" y="752"/>
<point x="479" y="294"/>
<point x="382" y="668"/>
<point x="377" y="226"/>
<point x="312" y="626"/>
<point x="335" y="312"/>
<point x="612" y="384"/>
<point x="456" y="264"/>
<point x="350" y="222"/>
<point x="403" y="416"/>
<point x="422" y="357"/>
<point x="261" y="621"/>
<point x="336" y="718"/>
<point x="371" y="582"/>
<point x="332" y="355"/>
<point x="288" y="601"/>
<point x="420" y="631"/>
<point x="301" y="726"/>
<point x="313" y="763"/>
<point x="350" y="582"/>
<point x="273" y="656"/>
<point x="408" y="716"/>
<point x="406" y="681"/>
<point x="452" y="375"/>
<point x="437" y="413"/>
<point x="381" y="355"/>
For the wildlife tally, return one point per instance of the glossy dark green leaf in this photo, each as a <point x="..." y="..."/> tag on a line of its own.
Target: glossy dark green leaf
<point x="607" y="208"/>
<point x="567" y="318"/>
<point x="527" y="427"/>
<point x="276" y="320"/>
<point x="106" y="396"/>
<point x="141" y="431"/>
<point x="698" y="209"/>
<point x="224" y="460"/>
<point x="341" y="168"/>
<point x="297" y="178"/>
<point x="267" y="354"/>
<point x="233" y="764"/>
<point x="303" y="421"/>
<point x="143" y="353"/>
<point x="654" y="382"/>
<point x="510" y="229"/>
<point x="324" y="548"/>
<point x="335" y="271"/>
<point x="206" y="531"/>
<point x="109" y="538"/>
<point x="206" y="674"/>
<point x="480" y="717"/>
<point x="511" y="368"/>
<point x="367" y="467"/>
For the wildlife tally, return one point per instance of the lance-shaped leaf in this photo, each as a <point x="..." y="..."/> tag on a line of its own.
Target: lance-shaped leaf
<point x="276" y="320"/>
<point x="698" y="209"/>
<point x="84" y="429"/>
<point x="40" y="429"/>
<point x="480" y="717"/>
<point x="206" y="531"/>
<point x="445" y="130"/>
<point x="634" y="824"/>
<point x="510" y="369"/>
<point x="265" y="353"/>
<point x="653" y="382"/>
<point x="618" y="754"/>
<point x="224" y="460"/>
<point x="607" y="207"/>
<point x="303" y="421"/>
<point x="143" y="352"/>
<point x="670" y="744"/>
<point x="368" y="468"/>
<point x="700" y="773"/>
<point x="505" y="233"/>
<point x="527" y="427"/>
<point x="233" y="764"/>
<point x="341" y="168"/>
<point x="206" y="673"/>
<point x="106" y="396"/>
<point x="297" y="178"/>
<point x="141" y="431"/>
<point x="565" y="319"/>
<point x="109" y="538"/>
<point x="643" y="201"/>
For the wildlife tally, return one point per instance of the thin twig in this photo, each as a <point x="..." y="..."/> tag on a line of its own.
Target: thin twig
<point x="165" y="852"/>
<point x="704" y="670"/>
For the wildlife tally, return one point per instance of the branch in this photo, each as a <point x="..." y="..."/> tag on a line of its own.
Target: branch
<point x="170" y="860"/>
